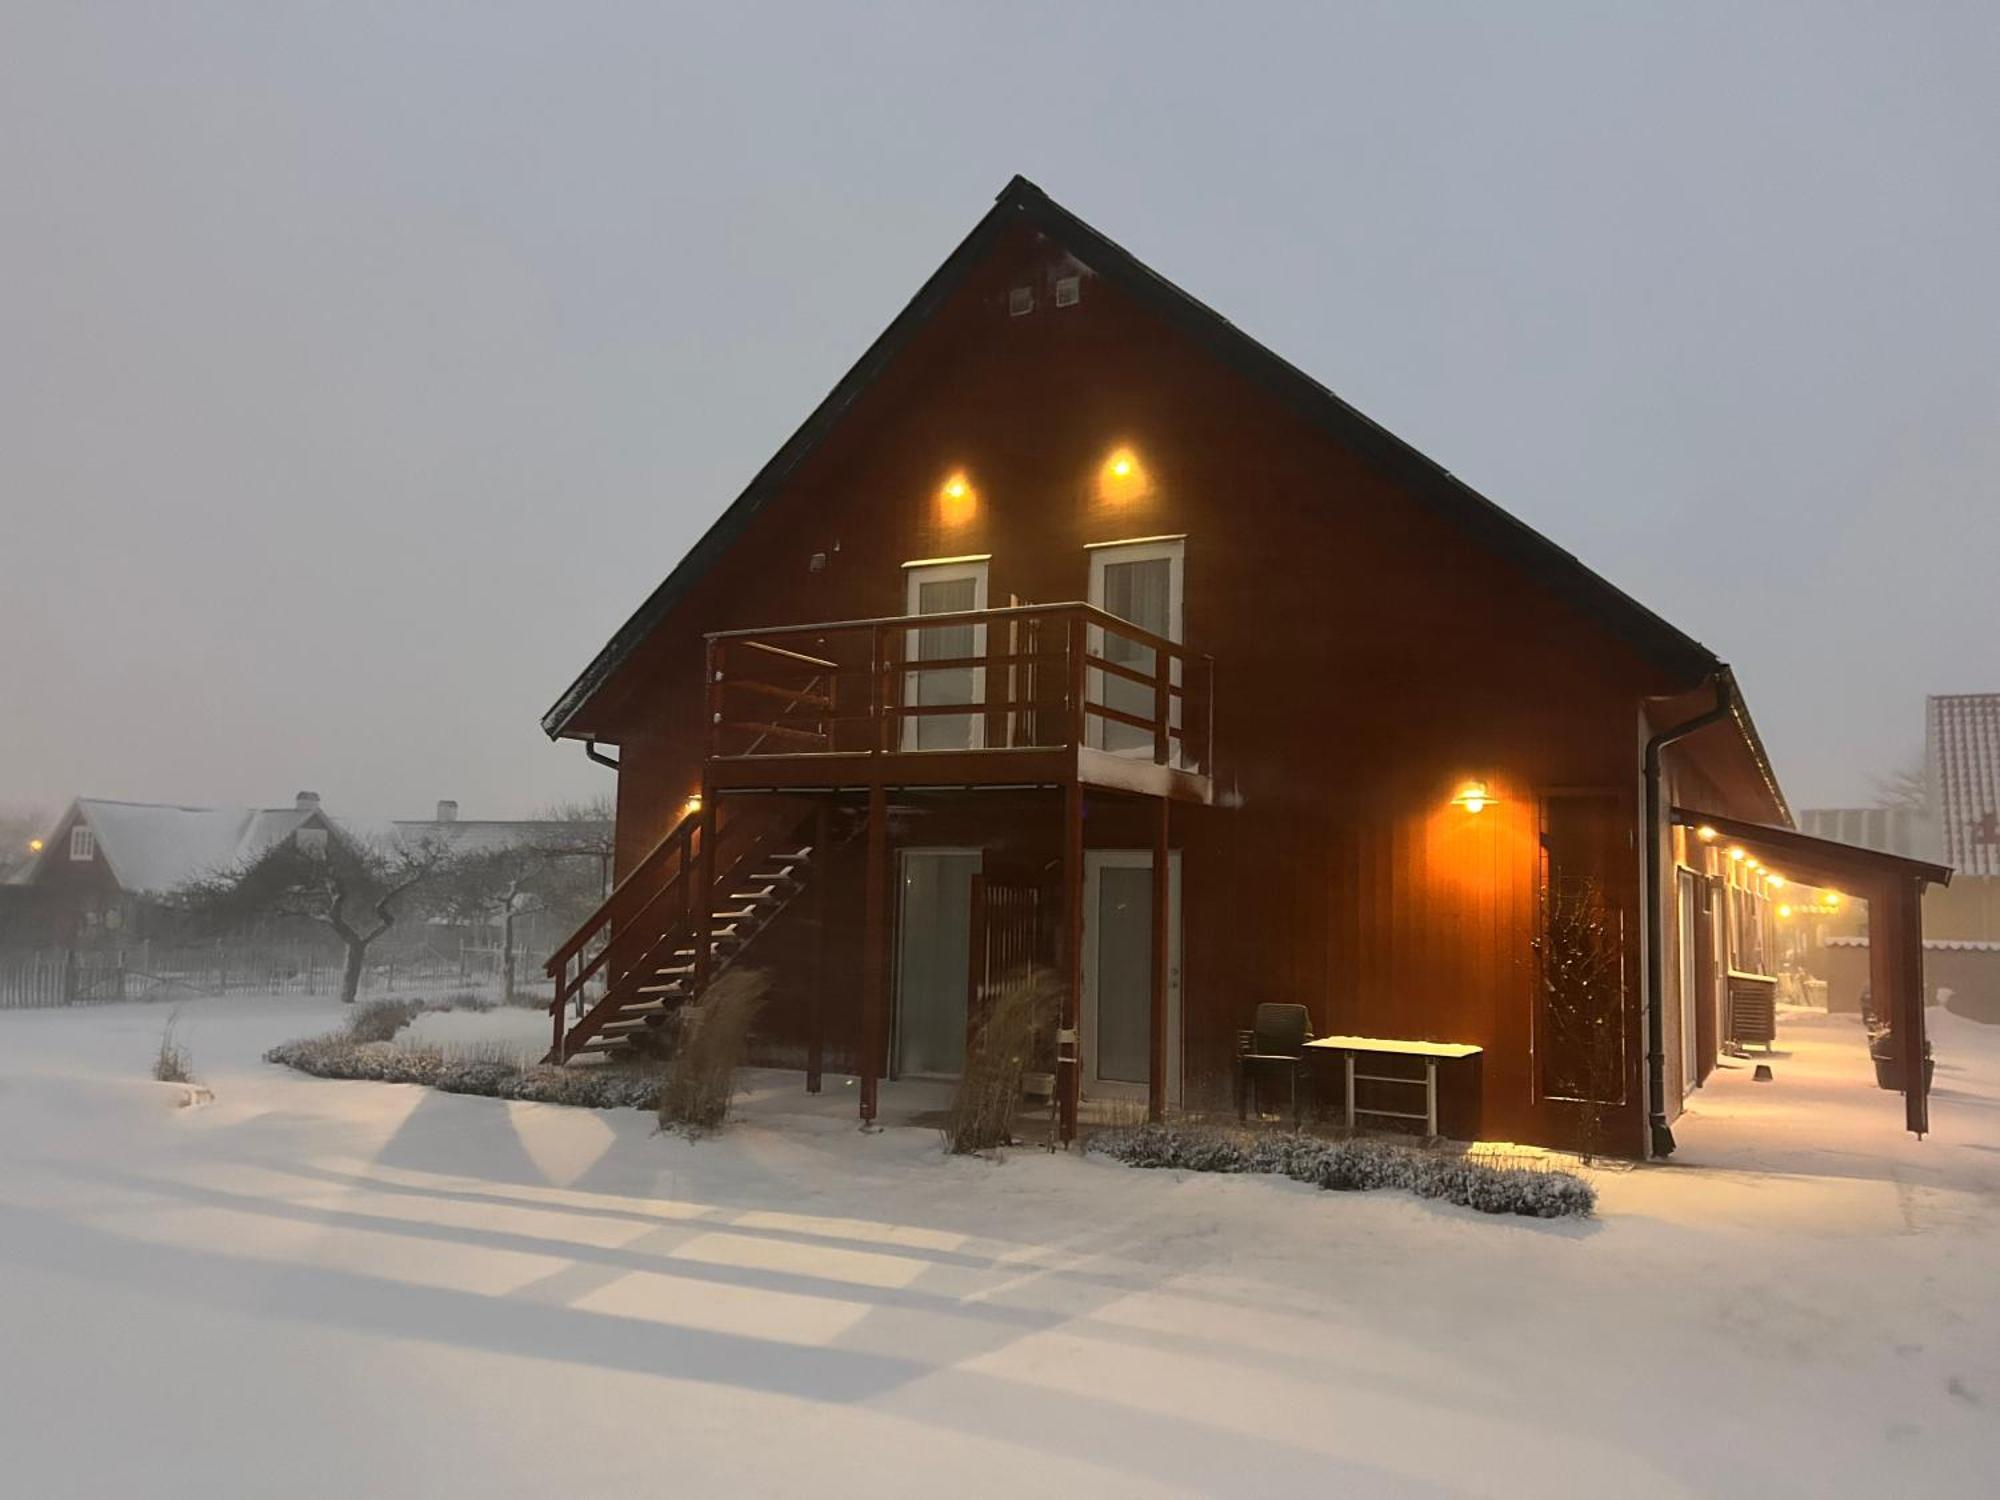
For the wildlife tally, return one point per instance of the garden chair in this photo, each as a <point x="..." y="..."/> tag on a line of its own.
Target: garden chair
<point x="1273" y="1047"/>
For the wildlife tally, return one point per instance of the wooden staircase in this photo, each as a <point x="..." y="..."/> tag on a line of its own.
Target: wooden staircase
<point x="645" y="935"/>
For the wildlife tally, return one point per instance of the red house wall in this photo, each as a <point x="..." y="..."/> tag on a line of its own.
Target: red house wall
<point x="1369" y="656"/>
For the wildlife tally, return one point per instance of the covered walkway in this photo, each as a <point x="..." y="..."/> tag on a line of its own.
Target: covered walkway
<point x="1893" y="886"/>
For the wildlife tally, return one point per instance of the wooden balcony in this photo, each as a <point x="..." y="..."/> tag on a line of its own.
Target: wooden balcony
<point x="1031" y="695"/>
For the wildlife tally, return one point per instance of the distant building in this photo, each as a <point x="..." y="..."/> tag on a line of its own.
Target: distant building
<point x="1962" y="765"/>
<point x="104" y="872"/>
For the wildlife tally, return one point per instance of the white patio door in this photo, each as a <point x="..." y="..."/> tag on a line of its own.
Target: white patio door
<point x="936" y="589"/>
<point x="1118" y="974"/>
<point x="933" y="960"/>
<point x="1141" y="582"/>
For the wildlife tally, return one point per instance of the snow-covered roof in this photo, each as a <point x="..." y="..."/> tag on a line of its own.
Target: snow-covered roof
<point x="155" y="847"/>
<point x="1962" y="748"/>
<point x="483" y="835"/>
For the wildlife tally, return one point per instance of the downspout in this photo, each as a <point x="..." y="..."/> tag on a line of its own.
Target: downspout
<point x="590" y="749"/>
<point x="1656" y="960"/>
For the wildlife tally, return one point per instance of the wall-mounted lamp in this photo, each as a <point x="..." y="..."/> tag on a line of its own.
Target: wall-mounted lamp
<point x="1833" y="898"/>
<point x="957" y="500"/>
<point x="1122" y="478"/>
<point x="1776" y="880"/>
<point x="1705" y="834"/>
<point x="692" y="806"/>
<point x="1473" y="797"/>
<point x="34" y="846"/>
<point x="1784" y="911"/>
<point x="1738" y="855"/>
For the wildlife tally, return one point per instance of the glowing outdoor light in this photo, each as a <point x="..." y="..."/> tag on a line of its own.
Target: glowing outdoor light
<point x="1705" y="834"/>
<point x="692" y="806"/>
<point x="957" y="500"/>
<point x="34" y="846"/>
<point x="1776" y="880"/>
<point x="1833" y="898"/>
<point x="1784" y="911"/>
<point x="1473" y="797"/>
<point x="1122" y="477"/>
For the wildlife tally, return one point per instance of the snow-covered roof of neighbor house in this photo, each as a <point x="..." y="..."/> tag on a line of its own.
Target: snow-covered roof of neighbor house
<point x="155" y="847"/>
<point x="1962" y="752"/>
<point x="483" y="835"/>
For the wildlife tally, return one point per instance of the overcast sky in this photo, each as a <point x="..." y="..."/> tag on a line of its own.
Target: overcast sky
<point x="363" y="366"/>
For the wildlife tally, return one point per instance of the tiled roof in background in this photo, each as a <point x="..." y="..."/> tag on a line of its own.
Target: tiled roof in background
<point x="1962" y="751"/>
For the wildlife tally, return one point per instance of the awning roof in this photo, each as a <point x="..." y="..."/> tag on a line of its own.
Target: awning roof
<point x="1817" y="861"/>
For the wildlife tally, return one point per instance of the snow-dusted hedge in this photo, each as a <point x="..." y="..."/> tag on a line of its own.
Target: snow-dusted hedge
<point x="1347" y="1166"/>
<point x="383" y="1062"/>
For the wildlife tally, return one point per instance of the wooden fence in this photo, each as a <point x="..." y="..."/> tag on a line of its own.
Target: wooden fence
<point x="39" y="979"/>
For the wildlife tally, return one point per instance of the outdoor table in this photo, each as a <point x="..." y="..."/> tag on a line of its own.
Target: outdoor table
<point x="1429" y="1052"/>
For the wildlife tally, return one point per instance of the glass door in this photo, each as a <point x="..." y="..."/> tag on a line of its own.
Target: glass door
<point x="936" y="589"/>
<point x="1140" y="582"/>
<point x="1118" y="973"/>
<point x="933" y="961"/>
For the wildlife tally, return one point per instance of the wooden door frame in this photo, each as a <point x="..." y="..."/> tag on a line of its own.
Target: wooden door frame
<point x="1173" y="551"/>
<point x="946" y="570"/>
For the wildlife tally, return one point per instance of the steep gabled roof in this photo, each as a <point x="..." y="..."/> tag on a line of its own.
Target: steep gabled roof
<point x="156" y="847"/>
<point x="1683" y="660"/>
<point x="1962" y="747"/>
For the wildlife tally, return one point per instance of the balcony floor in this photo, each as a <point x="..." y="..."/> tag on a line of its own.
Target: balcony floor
<point x="1057" y="766"/>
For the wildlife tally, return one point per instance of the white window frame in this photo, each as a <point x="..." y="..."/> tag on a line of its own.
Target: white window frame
<point x="82" y="844"/>
<point x="947" y="570"/>
<point x="1173" y="550"/>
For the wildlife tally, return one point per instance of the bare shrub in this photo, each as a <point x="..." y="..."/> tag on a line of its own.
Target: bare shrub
<point x="715" y="1038"/>
<point x="173" y="1064"/>
<point x="1019" y="1011"/>
<point x="380" y="1020"/>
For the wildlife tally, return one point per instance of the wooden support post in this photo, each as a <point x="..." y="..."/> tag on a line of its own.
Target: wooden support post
<point x="1156" y="1082"/>
<point x="1163" y="707"/>
<point x="1070" y="1069"/>
<point x="556" y="1015"/>
<point x="1077" y="686"/>
<point x="874" y="958"/>
<point x="706" y="872"/>
<point x="1910" y="1041"/>
<point x="822" y="880"/>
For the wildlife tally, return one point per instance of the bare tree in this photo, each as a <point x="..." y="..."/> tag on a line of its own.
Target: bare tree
<point x="357" y="889"/>
<point x="1907" y="788"/>
<point x="560" y="870"/>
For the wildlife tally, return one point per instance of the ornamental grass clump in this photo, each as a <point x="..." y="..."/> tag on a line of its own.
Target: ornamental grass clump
<point x="172" y="1064"/>
<point x="714" y="1041"/>
<point x="1017" y="1016"/>
<point x="1351" y="1166"/>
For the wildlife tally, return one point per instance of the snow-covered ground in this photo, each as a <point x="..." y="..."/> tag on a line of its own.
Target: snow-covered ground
<point x="316" y="1288"/>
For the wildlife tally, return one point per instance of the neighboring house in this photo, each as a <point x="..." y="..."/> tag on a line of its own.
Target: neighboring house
<point x="103" y="873"/>
<point x="1962" y="767"/>
<point x="1228" y="696"/>
<point x="579" y="838"/>
<point x="1907" y="831"/>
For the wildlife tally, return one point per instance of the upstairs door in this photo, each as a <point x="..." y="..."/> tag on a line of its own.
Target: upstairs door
<point x="936" y="589"/>
<point x="1142" y="582"/>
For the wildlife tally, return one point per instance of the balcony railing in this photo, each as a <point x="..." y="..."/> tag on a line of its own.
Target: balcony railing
<point x="1029" y="677"/>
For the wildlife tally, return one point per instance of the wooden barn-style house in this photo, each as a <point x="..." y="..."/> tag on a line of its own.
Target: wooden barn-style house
<point x="1223" y="696"/>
